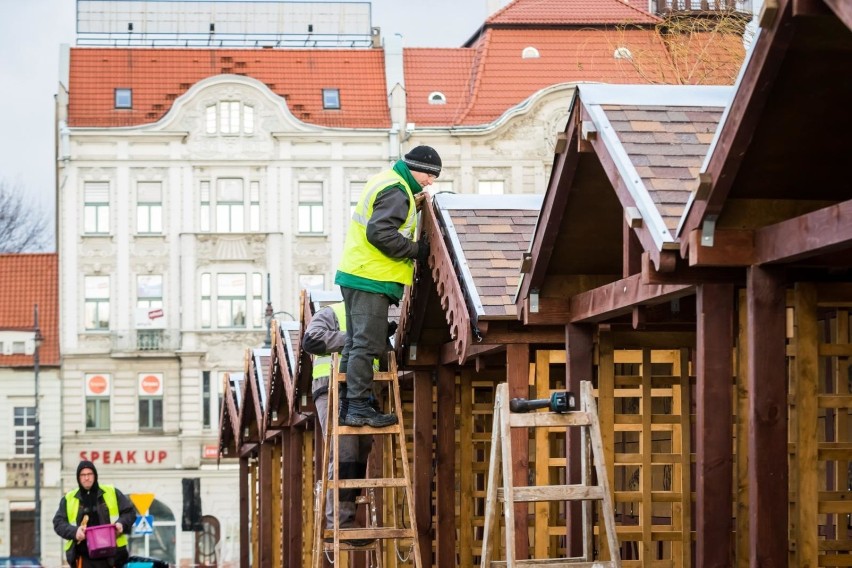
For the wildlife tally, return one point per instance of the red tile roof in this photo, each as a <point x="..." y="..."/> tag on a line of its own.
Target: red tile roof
<point x="573" y="12"/>
<point x="501" y="79"/>
<point x="706" y="58"/>
<point x="26" y="280"/>
<point x="158" y="76"/>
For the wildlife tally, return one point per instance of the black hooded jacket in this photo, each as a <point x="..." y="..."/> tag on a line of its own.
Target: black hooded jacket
<point x="92" y="504"/>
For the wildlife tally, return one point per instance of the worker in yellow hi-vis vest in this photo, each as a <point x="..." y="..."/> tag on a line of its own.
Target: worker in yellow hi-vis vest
<point x="89" y="505"/>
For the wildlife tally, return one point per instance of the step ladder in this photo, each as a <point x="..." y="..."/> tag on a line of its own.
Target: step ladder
<point x="396" y="530"/>
<point x="501" y="452"/>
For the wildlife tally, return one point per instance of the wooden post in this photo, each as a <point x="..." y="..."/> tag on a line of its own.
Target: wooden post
<point x="517" y="374"/>
<point x="445" y="459"/>
<point x="742" y="530"/>
<point x="579" y="366"/>
<point x="714" y="455"/>
<point x="423" y="462"/>
<point x="767" y="383"/>
<point x="806" y="519"/>
<point x="245" y="541"/>
<point x="278" y="512"/>
<point x="294" y="488"/>
<point x="264" y="504"/>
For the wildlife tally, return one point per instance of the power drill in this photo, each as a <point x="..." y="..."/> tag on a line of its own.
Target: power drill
<point x="560" y="402"/>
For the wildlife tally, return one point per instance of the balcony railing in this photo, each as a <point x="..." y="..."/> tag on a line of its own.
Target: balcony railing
<point x="712" y="6"/>
<point x="146" y="340"/>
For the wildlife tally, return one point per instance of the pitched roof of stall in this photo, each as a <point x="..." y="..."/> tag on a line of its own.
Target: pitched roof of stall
<point x="31" y="279"/>
<point x="159" y="76"/>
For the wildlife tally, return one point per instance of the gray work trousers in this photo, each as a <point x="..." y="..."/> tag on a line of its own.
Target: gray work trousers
<point x="366" y="339"/>
<point x="354" y="451"/>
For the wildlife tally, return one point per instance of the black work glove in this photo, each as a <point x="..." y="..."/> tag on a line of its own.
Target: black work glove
<point x="392" y="325"/>
<point x="423" y="250"/>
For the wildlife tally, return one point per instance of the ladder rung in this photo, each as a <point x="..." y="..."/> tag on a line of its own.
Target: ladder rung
<point x="368" y="430"/>
<point x="536" y="419"/>
<point x="345" y="546"/>
<point x="375" y="482"/>
<point x="376" y="532"/>
<point x="555" y="493"/>
<point x="385" y="376"/>
<point x="559" y="563"/>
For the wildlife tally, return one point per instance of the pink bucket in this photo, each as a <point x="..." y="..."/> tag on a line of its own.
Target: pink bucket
<point x="101" y="541"/>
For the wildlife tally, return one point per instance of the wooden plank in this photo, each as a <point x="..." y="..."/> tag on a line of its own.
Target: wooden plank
<point x="295" y="523"/>
<point x="579" y="365"/>
<point x="422" y="449"/>
<point x="541" y="522"/>
<point x="543" y="493"/>
<point x="465" y="474"/>
<point x="742" y="494"/>
<point x="445" y="531"/>
<point x="557" y="563"/>
<point x="517" y="377"/>
<point x="682" y="472"/>
<point x="537" y="419"/>
<point x="494" y="469"/>
<point x="244" y="485"/>
<point x="714" y="455"/>
<point x="767" y="382"/>
<point x="822" y="231"/>
<point x="842" y="9"/>
<point x="731" y="247"/>
<point x="806" y="389"/>
<point x="619" y="298"/>
<point x="646" y="510"/>
<point x="606" y="414"/>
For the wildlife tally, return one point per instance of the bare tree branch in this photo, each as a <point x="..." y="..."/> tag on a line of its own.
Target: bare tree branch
<point x="23" y="226"/>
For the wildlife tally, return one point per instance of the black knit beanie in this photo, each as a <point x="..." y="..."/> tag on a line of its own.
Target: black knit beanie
<point x="423" y="159"/>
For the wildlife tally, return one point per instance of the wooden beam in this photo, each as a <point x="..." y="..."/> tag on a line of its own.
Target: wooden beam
<point x="445" y="452"/>
<point x="731" y="247"/>
<point x="821" y="231"/>
<point x="714" y="455"/>
<point x="767" y="383"/>
<point x="245" y="540"/>
<point x="806" y="8"/>
<point x="683" y="274"/>
<point x="843" y="10"/>
<point x="296" y="521"/>
<point x="517" y="375"/>
<point x="618" y="298"/>
<point x="422" y="470"/>
<point x="264" y="506"/>
<point x="579" y="366"/>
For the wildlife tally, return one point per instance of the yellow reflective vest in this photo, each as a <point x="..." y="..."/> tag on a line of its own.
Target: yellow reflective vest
<point x="360" y="258"/>
<point x="322" y="363"/>
<point x="72" y="507"/>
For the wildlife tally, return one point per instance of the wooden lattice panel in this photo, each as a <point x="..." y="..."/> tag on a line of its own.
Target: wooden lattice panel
<point x="820" y="436"/>
<point x="646" y="419"/>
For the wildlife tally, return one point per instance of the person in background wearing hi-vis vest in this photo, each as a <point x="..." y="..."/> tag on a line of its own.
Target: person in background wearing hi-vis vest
<point x="376" y="265"/>
<point x="326" y="334"/>
<point x="103" y="505"/>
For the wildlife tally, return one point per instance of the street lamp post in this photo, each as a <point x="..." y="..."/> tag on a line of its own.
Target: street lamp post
<point x="270" y="314"/>
<point x="38" y="338"/>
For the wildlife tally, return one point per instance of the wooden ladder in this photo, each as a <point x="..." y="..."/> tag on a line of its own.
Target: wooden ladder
<point x="396" y="530"/>
<point x="501" y="451"/>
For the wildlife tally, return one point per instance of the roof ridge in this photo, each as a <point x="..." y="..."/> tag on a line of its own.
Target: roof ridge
<point x="476" y="75"/>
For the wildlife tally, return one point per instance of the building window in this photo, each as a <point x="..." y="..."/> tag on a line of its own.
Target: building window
<point x="231" y="300"/>
<point x="24" y="430"/>
<point x="149" y="207"/>
<point x="149" y="291"/>
<point x="445" y="186"/>
<point x="150" y="413"/>
<point x="211" y="400"/>
<point x="204" y="194"/>
<point x="310" y="207"/>
<point x="96" y="310"/>
<point x="229" y="205"/>
<point x="331" y="99"/>
<point x="257" y="306"/>
<point x="437" y="98"/>
<point x="530" y="53"/>
<point x="356" y="188"/>
<point x="230" y="118"/>
<point x="206" y="301"/>
<point x="311" y="282"/>
<point x="254" y="206"/>
<point x="96" y="208"/>
<point x="490" y="187"/>
<point x="19" y="347"/>
<point x="97" y="401"/>
<point x="123" y="98"/>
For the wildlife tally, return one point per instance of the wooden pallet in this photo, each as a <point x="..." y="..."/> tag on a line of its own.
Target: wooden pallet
<point x="501" y="463"/>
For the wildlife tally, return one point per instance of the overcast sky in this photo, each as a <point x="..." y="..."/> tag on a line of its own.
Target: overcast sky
<point x="31" y="32"/>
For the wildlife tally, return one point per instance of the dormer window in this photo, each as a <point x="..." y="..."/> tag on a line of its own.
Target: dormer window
<point x="530" y="53"/>
<point x="331" y="99"/>
<point x="123" y="98"/>
<point x="437" y="98"/>
<point x="622" y="53"/>
<point x="230" y="117"/>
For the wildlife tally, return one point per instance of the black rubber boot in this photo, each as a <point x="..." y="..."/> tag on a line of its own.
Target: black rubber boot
<point x="358" y="412"/>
